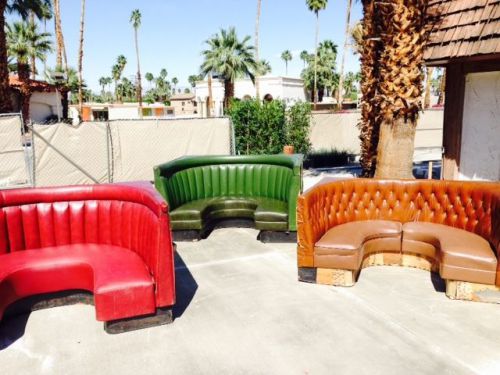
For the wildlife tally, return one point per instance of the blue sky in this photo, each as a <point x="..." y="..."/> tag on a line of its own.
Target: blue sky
<point x="173" y="32"/>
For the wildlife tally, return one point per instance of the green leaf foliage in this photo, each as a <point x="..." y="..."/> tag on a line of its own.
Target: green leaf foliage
<point x="264" y="128"/>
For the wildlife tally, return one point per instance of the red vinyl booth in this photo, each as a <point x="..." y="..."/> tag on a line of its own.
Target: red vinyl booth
<point x="112" y="240"/>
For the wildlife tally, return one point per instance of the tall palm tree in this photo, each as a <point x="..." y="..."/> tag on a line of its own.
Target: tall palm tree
<point x="286" y="56"/>
<point x="116" y="74"/>
<point x="357" y="37"/>
<point x="230" y="58"/>
<point x="304" y="56"/>
<point x="23" y="41"/>
<point x="149" y="77"/>
<point x="371" y="50"/>
<point x="103" y="82"/>
<point x="315" y="6"/>
<point x="175" y="81"/>
<point x="135" y="20"/>
<point x="405" y="29"/>
<point x="344" y="53"/>
<point x="47" y="14"/>
<point x="61" y="58"/>
<point x="192" y="79"/>
<point x="257" y="48"/>
<point x="21" y="7"/>
<point x="80" y="57"/>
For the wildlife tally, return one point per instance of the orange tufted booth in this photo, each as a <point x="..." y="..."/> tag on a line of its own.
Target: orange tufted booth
<point x="448" y="226"/>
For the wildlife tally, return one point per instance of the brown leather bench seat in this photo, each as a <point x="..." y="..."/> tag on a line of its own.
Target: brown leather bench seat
<point x="461" y="255"/>
<point x="345" y="246"/>
<point x="448" y="227"/>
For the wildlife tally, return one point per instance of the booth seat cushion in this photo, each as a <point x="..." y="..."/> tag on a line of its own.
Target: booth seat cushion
<point x="122" y="284"/>
<point x="345" y="245"/>
<point x="202" y="210"/>
<point x="462" y="255"/>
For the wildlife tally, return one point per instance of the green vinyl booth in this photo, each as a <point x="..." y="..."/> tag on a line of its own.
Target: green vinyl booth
<point x="205" y="191"/>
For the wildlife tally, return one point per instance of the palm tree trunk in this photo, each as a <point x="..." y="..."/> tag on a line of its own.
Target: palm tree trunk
<point x="315" y="89"/>
<point x="442" y="88"/>
<point x="33" y="57"/>
<point x="395" y="149"/>
<point x="61" y="57"/>
<point x="257" y="26"/>
<point x="80" y="58"/>
<point x="5" y="99"/>
<point x="139" y="85"/>
<point x="427" y="96"/>
<point x="369" y="124"/>
<point x="209" y="104"/>
<point x="228" y="92"/>
<point x="344" y="53"/>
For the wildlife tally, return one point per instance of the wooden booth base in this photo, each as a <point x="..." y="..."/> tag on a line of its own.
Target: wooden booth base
<point x="472" y="291"/>
<point x="460" y="290"/>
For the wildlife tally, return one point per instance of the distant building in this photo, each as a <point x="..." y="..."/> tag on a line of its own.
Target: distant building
<point x="121" y="111"/>
<point x="285" y="88"/>
<point x="184" y="104"/>
<point x="45" y="102"/>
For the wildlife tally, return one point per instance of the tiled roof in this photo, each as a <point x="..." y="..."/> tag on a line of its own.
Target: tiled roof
<point x="466" y="28"/>
<point x="40" y="86"/>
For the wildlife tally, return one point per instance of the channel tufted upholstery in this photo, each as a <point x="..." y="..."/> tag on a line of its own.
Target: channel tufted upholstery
<point x="201" y="190"/>
<point x="112" y="240"/>
<point x="470" y="206"/>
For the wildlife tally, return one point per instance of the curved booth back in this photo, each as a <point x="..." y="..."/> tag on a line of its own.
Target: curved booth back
<point x="266" y="176"/>
<point x="472" y="206"/>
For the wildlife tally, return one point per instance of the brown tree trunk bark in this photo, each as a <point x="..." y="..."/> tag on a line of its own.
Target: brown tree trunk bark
<point x="80" y="59"/>
<point x="340" y="93"/>
<point x="395" y="149"/>
<point x="209" y="104"/>
<point x="228" y="93"/>
<point x="5" y="98"/>
<point x="23" y="71"/>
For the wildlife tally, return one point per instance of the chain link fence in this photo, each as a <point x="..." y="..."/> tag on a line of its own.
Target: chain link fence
<point x="121" y="150"/>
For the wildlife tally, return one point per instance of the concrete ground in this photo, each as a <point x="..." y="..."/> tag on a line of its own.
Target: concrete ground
<point x="241" y="311"/>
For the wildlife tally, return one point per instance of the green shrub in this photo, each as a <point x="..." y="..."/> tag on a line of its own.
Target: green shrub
<point x="264" y="128"/>
<point x="327" y="158"/>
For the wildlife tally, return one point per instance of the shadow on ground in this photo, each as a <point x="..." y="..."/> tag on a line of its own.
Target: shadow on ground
<point x="13" y="325"/>
<point x="185" y="287"/>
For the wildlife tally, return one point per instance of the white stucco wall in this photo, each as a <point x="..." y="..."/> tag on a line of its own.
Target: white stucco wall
<point x="480" y="152"/>
<point x="123" y="112"/>
<point x="44" y="105"/>
<point x="285" y="88"/>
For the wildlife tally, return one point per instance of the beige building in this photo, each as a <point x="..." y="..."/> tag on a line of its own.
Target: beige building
<point x="184" y="104"/>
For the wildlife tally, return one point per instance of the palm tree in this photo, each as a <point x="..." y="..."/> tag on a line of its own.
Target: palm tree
<point x="357" y="37"/>
<point x="344" y="53"/>
<point x="286" y="56"/>
<point x="163" y="73"/>
<point x="257" y="49"/>
<point x="175" y="81"/>
<point x="116" y="74"/>
<point x="192" y="79"/>
<point x="135" y="19"/>
<point x="264" y="67"/>
<point x="23" y="41"/>
<point x="46" y="15"/>
<point x="304" y="56"/>
<point x="21" y="7"/>
<point x="80" y="57"/>
<point x="405" y="27"/>
<point x="103" y="82"/>
<point x="230" y="58"/>
<point x="61" y="48"/>
<point x="315" y="6"/>
<point x="149" y="77"/>
<point x="24" y="38"/>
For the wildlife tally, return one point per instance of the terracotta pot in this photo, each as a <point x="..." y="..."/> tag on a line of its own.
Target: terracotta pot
<point x="288" y="149"/>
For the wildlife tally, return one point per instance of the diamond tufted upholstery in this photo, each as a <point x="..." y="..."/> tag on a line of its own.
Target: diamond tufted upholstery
<point x="112" y="240"/>
<point x="470" y="206"/>
<point x="201" y="190"/>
